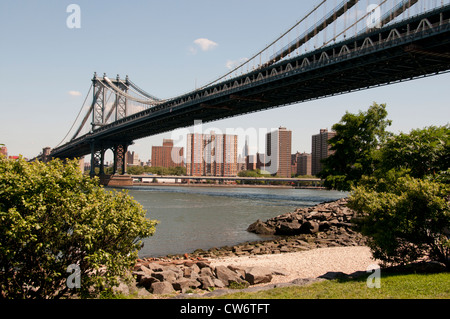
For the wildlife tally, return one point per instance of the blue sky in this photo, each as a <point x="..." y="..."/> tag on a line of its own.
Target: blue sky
<point x="46" y="67"/>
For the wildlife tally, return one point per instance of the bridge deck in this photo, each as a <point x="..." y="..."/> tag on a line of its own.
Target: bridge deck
<point x="403" y="51"/>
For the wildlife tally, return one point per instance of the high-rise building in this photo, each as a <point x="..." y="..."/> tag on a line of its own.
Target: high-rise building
<point x="320" y="149"/>
<point x="250" y="162"/>
<point x="211" y="155"/>
<point x="167" y="155"/>
<point x="194" y="155"/>
<point x="132" y="158"/>
<point x="278" y="152"/>
<point x="261" y="161"/>
<point x="301" y="164"/>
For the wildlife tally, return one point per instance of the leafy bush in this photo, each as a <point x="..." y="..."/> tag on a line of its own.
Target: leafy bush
<point x="405" y="219"/>
<point x="52" y="217"/>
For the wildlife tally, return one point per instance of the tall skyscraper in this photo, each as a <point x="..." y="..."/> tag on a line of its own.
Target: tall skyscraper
<point x="278" y="152"/>
<point x="211" y="155"/>
<point x="320" y="149"/>
<point x="167" y="155"/>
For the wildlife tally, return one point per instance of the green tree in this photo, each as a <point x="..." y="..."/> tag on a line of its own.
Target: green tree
<point x="135" y="170"/>
<point x="249" y="173"/>
<point x="404" y="218"/>
<point x="53" y="217"/>
<point x="177" y="171"/>
<point x="358" y="136"/>
<point x="422" y="152"/>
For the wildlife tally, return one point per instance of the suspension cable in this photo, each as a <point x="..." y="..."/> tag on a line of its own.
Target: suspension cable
<point x="73" y="124"/>
<point x="267" y="47"/>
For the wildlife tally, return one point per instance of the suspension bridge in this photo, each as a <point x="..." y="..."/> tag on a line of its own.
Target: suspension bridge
<point x="354" y="45"/>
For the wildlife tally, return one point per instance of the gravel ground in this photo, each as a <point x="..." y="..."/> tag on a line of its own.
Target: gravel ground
<point x="307" y="264"/>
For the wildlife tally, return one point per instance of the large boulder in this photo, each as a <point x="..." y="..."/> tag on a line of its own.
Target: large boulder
<point x="261" y="228"/>
<point x="288" y="228"/>
<point x="185" y="284"/>
<point x="226" y="275"/>
<point x="258" y="275"/>
<point x="309" y="227"/>
<point x="166" y="275"/>
<point x="162" y="288"/>
<point x="147" y="281"/>
<point x="206" y="281"/>
<point x="206" y="271"/>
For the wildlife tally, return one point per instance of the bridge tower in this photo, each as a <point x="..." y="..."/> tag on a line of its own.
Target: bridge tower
<point x="121" y="100"/>
<point x="100" y="118"/>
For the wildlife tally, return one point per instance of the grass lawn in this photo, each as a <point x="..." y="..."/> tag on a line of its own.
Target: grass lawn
<point x="393" y="286"/>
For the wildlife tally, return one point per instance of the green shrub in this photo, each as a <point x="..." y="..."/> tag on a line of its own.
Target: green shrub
<point x="404" y="218"/>
<point x="52" y="217"/>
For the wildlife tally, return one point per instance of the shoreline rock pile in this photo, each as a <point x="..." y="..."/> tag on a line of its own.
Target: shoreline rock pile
<point x="308" y="220"/>
<point x="324" y="225"/>
<point x="168" y="277"/>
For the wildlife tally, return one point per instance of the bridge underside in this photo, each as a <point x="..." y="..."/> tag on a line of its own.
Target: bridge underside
<point x="411" y="49"/>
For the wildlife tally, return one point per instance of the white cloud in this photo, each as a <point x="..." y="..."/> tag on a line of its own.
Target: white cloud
<point x="231" y="64"/>
<point x="74" y="93"/>
<point x="204" y="45"/>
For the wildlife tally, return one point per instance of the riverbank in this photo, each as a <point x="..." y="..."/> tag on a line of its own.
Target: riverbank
<point x="197" y="277"/>
<point x="327" y="248"/>
<point x="333" y="247"/>
<point x="225" y="185"/>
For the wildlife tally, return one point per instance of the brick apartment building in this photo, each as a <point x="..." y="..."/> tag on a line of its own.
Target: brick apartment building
<point x="278" y="152"/>
<point x="301" y="164"/>
<point x="212" y="155"/>
<point x="320" y="149"/>
<point x="167" y="155"/>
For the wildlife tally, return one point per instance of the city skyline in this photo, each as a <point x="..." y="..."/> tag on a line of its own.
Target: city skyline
<point x="188" y="45"/>
<point x="217" y="155"/>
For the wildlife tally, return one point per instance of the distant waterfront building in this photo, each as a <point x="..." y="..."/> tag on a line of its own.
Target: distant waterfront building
<point x="167" y="155"/>
<point x="278" y="152"/>
<point x="211" y="155"/>
<point x="320" y="149"/>
<point x="194" y="155"/>
<point x="132" y="158"/>
<point x="261" y="162"/>
<point x="301" y="164"/>
<point x="250" y="162"/>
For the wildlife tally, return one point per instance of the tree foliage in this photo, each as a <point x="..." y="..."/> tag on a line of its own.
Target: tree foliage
<point x="422" y="152"/>
<point x="404" y="218"/>
<point x="51" y="217"/>
<point x="404" y="204"/>
<point x="358" y="136"/>
<point x="163" y="171"/>
<point x="399" y="185"/>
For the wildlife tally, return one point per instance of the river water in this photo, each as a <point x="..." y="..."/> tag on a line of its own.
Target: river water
<point x="206" y="217"/>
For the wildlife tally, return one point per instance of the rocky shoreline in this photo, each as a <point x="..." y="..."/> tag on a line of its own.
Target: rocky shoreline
<point x="324" y="225"/>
